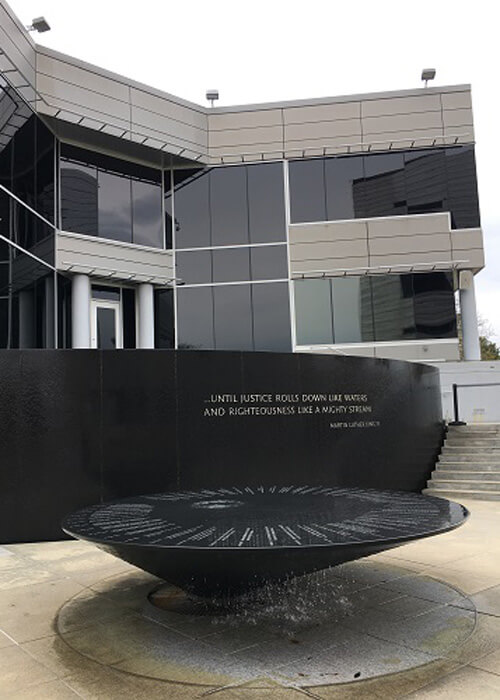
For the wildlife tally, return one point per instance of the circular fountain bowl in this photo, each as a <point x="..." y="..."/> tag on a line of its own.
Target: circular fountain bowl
<point x="214" y="542"/>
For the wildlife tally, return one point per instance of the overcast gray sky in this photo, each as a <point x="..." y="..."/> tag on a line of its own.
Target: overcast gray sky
<point x="268" y="50"/>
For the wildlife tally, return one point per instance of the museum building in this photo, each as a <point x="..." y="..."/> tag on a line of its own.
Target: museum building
<point x="131" y="218"/>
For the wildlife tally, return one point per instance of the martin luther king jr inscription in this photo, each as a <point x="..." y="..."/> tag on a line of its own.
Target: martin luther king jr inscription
<point x="105" y="425"/>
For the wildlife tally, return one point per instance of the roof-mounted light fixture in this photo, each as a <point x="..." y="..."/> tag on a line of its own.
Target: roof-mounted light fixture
<point x="428" y="74"/>
<point x="212" y="95"/>
<point x="39" y="24"/>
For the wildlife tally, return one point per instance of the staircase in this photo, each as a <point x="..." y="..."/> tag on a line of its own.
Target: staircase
<point x="469" y="464"/>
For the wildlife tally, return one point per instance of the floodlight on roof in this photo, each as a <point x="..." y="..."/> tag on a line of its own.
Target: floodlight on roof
<point x="39" y="24"/>
<point x="428" y="74"/>
<point x="212" y="95"/>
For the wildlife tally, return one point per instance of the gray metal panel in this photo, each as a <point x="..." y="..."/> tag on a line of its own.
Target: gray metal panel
<point x="77" y="92"/>
<point x="378" y="105"/>
<point x="104" y="258"/>
<point x="18" y="53"/>
<point x="403" y="242"/>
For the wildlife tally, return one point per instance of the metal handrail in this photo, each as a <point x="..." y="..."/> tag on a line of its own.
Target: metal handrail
<point x="455" y="388"/>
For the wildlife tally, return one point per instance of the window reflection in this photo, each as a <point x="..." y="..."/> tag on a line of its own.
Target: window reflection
<point x="79" y="198"/>
<point x="420" y="181"/>
<point x="229" y="205"/>
<point x="342" y="176"/>
<point x="146" y="207"/>
<point x="195" y="317"/>
<point x="111" y="198"/>
<point x="375" y="308"/>
<point x="231" y="265"/>
<point x="352" y="310"/>
<point x="194" y="267"/>
<point x="269" y="262"/>
<point x="234" y="317"/>
<point x="115" y="207"/>
<point x="192" y="208"/>
<point x="393" y="314"/>
<point x="313" y="310"/>
<point x="271" y="317"/>
<point x="266" y="203"/>
<point x="435" y="315"/>
<point x="307" y="190"/>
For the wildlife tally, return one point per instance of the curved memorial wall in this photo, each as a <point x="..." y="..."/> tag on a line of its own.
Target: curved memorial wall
<point x="84" y="426"/>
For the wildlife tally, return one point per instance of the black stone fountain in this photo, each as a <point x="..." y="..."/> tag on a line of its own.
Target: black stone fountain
<point x="215" y="542"/>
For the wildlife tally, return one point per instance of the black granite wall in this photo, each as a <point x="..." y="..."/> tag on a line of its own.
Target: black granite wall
<point x="82" y="426"/>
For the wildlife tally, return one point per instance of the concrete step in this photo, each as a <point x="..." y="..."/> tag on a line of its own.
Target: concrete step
<point x="471" y="445"/>
<point x="471" y="457"/>
<point x="475" y="426"/>
<point x="472" y="484"/>
<point x="474" y="431"/>
<point x="455" y="495"/>
<point x="469" y="466"/>
<point x="445" y="474"/>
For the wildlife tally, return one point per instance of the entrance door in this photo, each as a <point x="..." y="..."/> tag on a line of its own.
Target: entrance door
<point x="106" y="325"/>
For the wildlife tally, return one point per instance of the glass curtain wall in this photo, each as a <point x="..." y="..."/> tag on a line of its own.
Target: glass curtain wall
<point x="110" y="198"/>
<point x="28" y="282"/>
<point x="386" y="184"/>
<point x="231" y="258"/>
<point x="375" y="308"/>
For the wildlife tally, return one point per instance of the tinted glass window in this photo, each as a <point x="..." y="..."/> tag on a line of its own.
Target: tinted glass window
<point x="228" y="205"/>
<point x="23" y="170"/>
<point x="23" y="183"/>
<point x="307" y="190"/>
<point x="393" y="312"/>
<point x="231" y="265"/>
<point x="352" y="310"/>
<point x="462" y="187"/>
<point x="111" y="198"/>
<point x="313" y="310"/>
<point x="147" y="214"/>
<point x="164" y="318"/>
<point x="269" y="262"/>
<point x="271" y="317"/>
<point x="343" y="177"/>
<point x="79" y="208"/>
<point x="425" y="181"/>
<point x="195" y="319"/>
<point x="194" y="266"/>
<point x="192" y="210"/>
<point x="435" y="315"/>
<point x="384" y="192"/>
<point x="44" y="171"/>
<point x="266" y="203"/>
<point x="115" y="207"/>
<point x="168" y="188"/>
<point x="233" y="317"/>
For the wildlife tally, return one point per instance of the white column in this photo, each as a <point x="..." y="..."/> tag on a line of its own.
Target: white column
<point x="80" y="311"/>
<point x="470" y="332"/>
<point x="145" y="308"/>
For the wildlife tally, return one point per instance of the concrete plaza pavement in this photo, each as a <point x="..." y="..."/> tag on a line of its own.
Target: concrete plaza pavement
<point x="69" y="619"/>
